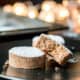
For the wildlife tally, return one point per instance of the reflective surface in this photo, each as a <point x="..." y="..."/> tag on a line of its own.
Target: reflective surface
<point x="9" y="22"/>
<point x="70" y="71"/>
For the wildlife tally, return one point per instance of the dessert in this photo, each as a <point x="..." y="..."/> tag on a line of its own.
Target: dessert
<point x="61" y="54"/>
<point x="56" y="38"/>
<point x="51" y="47"/>
<point x="26" y="58"/>
<point x="44" y="43"/>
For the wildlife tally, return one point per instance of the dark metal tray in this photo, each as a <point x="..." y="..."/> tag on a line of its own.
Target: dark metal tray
<point x="11" y="24"/>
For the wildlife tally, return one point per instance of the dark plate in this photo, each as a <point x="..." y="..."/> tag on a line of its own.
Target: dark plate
<point x="71" y="71"/>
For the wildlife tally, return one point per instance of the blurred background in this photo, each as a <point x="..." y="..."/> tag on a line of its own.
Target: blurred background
<point x="2" y="3"/>
<point x="21" y="20"/>
<point x="53" y="11"/>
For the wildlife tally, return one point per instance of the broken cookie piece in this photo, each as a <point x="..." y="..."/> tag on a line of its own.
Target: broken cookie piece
<point x="59" y="52"/>
<point x="44" y="43"/>
<point x="56" y="38"/>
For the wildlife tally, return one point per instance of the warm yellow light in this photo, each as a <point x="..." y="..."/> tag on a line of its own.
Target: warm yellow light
<point x="78" y="20"/>
<point x="77" y="24"/>
<point x="47" y="5"/>
<point x="8" y="8"/>
<point x="75" y="78"/>
<point x="65" y="3"/>
<point x="47" y="16"/>
<point x="50" y="18"/>
<point x="32" y="12"/>
<point x="20" y="9"/>
<point x="78" y="1"/>
<point x="74" y="13"/>
<point x="42" y="15"/>
<point x="63" y="13"/>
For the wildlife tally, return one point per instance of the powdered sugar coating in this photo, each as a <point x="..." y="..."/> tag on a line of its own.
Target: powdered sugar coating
<point x="56" y="38"/>
<point x="35" y="38"/>
<point x="25" y="51"/>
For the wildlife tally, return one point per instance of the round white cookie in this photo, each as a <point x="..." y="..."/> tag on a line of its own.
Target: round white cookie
<point x="26" y="57"/>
